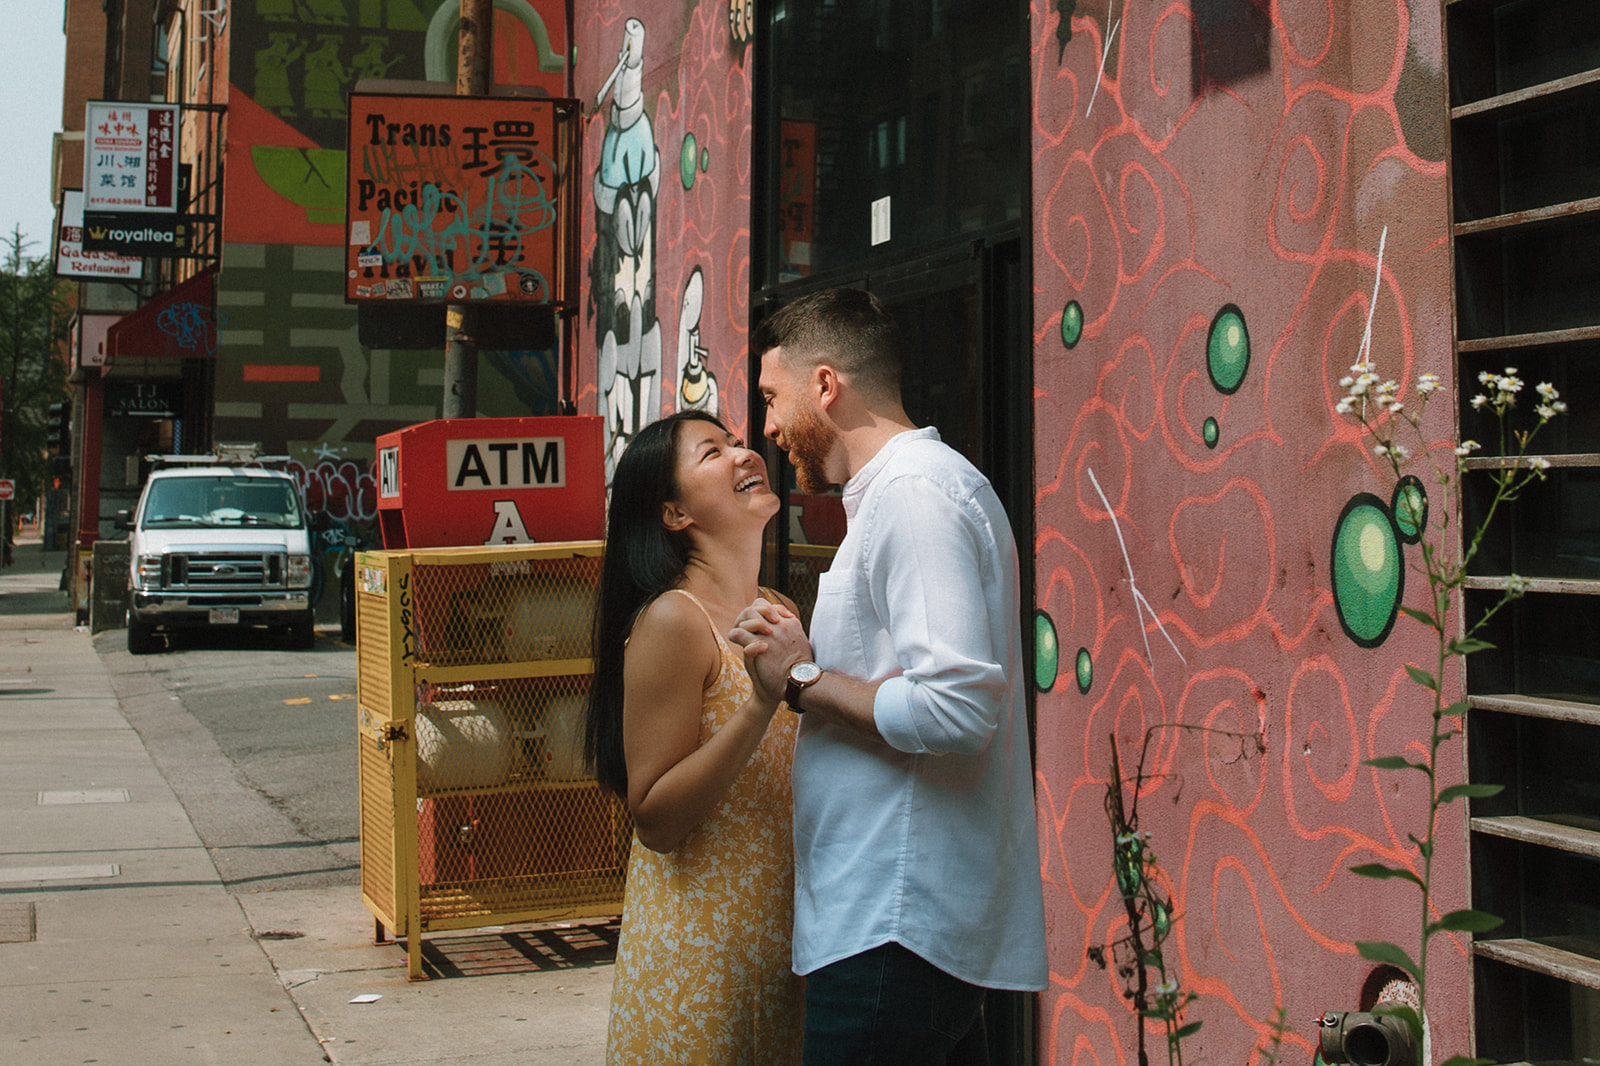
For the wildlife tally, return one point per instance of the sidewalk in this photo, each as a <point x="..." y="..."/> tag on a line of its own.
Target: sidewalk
<point x="119" y="943"/>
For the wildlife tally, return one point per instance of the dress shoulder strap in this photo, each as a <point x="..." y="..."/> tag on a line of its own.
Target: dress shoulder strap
<point x="696" y="601"/>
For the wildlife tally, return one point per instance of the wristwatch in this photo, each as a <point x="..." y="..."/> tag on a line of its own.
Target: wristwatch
<point x="802" y="675"/>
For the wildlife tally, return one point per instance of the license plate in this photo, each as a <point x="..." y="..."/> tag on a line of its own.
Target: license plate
<point x="224" y="616"/>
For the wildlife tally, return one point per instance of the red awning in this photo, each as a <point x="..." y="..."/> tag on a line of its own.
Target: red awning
<point x="180" y="323"/>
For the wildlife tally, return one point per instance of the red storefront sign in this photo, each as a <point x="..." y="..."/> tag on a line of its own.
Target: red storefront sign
<point x="476" y="481"/>
<point x="458" y="199"/>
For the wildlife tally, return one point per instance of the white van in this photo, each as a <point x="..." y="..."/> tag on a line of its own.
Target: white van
<point x="217" y="543"/>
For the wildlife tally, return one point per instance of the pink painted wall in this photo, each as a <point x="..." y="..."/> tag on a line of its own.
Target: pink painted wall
<point x="1234" y="163"/>
<point x="1238" y="168"/>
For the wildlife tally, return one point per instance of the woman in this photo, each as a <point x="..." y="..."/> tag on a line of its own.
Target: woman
<point x="703" y="968"/>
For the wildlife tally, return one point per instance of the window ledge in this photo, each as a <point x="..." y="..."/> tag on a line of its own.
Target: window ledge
<point x="1529" y="219"/>
<point x="1561" y="585"/>
<point x="1511" y="103"/>
<point x="1575" y="335"/>
<point x="1551" y="961"/>
<point x="1541" y="833"/>
<point x="1537" y="707"/>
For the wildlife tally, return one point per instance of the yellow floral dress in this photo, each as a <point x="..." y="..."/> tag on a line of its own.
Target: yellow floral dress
<point x="703" y="972"/>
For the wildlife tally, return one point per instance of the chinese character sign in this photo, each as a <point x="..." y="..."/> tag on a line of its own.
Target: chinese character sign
<point x="130" y="158"/>
<point x="72" y="261"/>
<point x="459" y="199"/>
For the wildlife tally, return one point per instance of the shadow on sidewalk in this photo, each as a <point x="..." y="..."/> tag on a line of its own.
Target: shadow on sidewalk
<point x="540" y="950"/>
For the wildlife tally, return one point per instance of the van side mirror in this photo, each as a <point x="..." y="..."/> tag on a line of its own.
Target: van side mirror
<point x="124" y="519"/>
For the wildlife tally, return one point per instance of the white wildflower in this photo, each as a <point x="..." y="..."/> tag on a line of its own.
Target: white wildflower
<point x="1346" y="381"/>
<point x="1380" y="449"/>
<point x="1538" y="462"/>
<point x="1516" y="585"/>
<point x="1467" y="447"/>
<point x="1399" y="451"/>
<point x="1479" y="400"/>
<point x="1545" y="412"/>
<point x="1428" y="383"/>
<point x="1547" y="391"/>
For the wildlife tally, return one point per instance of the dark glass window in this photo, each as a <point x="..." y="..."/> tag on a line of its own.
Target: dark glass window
<point x="892" y="125"/>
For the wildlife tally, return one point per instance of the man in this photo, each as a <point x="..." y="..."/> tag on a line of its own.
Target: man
<point x="917" y="869"/>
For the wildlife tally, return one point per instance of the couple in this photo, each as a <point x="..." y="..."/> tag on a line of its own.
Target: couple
<point x="913" y="880"/>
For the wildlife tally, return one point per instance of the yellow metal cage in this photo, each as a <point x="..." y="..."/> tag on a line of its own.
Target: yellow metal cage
<point x="476" y="809"/>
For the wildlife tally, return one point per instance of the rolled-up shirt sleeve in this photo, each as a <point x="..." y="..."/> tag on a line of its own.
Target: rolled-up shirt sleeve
<point x="927" y="559"/>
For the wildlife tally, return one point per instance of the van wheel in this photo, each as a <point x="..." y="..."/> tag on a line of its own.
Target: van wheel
<point x="303" y="635"/>
<point x="141" y="638"/>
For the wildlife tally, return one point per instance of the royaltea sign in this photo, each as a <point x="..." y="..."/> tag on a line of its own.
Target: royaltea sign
<point x="457" y="199"/>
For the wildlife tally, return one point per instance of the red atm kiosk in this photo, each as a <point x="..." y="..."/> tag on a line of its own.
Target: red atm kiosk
<point x="492" y="481"/>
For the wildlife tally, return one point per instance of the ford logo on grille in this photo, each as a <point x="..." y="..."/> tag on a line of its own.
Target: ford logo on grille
<point x="225" y="570"/>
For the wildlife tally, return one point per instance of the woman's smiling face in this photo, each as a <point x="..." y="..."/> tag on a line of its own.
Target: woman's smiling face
<point x="717" y="475"/>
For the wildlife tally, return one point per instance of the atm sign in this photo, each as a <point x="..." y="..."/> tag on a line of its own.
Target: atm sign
<point x="506" y="463"/>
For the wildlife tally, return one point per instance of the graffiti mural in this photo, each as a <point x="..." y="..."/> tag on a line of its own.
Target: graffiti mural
<point x="667" y="236"/>
<point x="295" y="63"/>
<point x="622" y="271"/>
<point x="1215" y="549"/>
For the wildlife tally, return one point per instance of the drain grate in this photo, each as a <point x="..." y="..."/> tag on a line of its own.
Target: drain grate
<point x="17" y="923"/>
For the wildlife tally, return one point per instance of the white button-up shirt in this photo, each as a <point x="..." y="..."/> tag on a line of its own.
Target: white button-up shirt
<point x="931" y="841"/>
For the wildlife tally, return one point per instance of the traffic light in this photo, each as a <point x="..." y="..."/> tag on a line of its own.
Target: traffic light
<point x="59" y="429"/>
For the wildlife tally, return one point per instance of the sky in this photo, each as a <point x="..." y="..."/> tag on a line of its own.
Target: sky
<point x="32" y="56"/>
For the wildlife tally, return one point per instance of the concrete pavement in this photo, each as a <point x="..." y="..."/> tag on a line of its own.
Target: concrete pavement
<point x="120" y="944"/>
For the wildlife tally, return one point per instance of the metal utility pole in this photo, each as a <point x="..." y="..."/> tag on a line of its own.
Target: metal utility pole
<point x="475" y="54"/>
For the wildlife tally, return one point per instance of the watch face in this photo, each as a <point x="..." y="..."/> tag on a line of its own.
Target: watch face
<point x="805" y="672"/>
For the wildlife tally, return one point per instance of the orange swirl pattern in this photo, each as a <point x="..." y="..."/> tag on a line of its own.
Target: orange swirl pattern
<point x="1210" y="192"/>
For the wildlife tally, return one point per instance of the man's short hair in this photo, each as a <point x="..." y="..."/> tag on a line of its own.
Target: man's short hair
<point x="847" y="328"/>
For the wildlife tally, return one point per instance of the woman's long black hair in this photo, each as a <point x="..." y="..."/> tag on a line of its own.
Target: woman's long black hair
<point x="643" y="559"/>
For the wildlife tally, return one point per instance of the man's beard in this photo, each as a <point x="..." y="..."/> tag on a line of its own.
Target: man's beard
<point x="810" y="442"/>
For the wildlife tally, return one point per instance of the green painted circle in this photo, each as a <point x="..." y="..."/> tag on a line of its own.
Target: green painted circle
<point x="1071" y="324"/>
<point x="1409" y="505"/>
<point x="1228" y="349"/>
<point x="1046" y="651"/>
<point x="1085" y="671"/>
<point x="687" y="160"/>
<point x="1368" y="578"/>
<point x="705" y="160"/>
<point x="1210" y="432"/>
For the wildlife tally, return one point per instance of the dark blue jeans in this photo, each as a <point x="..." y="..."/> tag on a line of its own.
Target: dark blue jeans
<point x="889" y="1007"/>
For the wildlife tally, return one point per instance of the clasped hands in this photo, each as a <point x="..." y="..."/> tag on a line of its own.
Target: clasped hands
<point x="773" y="640"/>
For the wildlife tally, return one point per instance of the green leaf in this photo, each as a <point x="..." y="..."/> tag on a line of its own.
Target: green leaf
<point x="1394" y="762"/>
<point x="1465" y="921"/>
<point x="1406" y="1014"/>
<point x="1422" y="616"/>
<point x="1456" y="708"/>
<point x="1455" y="792"/>
<point x="1422" y="677"/>
<point x="1383" y="951"/>
<point x="1469" y="646"/>
<point x="1187" y="1031"/>
<point x="1466" y="1060"/>
<point x="1381" y="872"/>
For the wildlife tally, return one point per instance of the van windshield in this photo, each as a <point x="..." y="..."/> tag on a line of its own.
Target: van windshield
<point x="221" y="502"/>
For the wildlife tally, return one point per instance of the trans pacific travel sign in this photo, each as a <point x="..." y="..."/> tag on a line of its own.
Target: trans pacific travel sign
<point x="456" y="199"/>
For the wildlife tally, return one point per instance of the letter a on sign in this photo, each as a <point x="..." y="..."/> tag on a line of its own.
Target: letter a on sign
<point x="508" y="527"/>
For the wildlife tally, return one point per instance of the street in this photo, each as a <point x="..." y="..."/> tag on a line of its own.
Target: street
<point x="258" y="742"/>
<point x="179" y="874"/>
